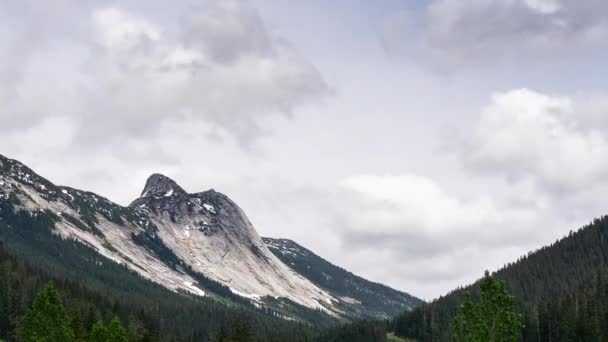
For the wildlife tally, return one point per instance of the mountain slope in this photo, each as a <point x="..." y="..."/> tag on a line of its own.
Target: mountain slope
<point x="101" y="289"/>
<point x="213" y="236"/>
<point x="200" y="243"/>
<point x="369" y="300"/>
<point x="169" y="237"/>
<point x="561" y="289"/>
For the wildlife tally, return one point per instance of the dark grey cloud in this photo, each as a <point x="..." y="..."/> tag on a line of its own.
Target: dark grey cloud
<point x="229" y="31"/>
<point x="453" y="33"/>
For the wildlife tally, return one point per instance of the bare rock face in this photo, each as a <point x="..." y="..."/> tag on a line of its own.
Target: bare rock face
<point x="213" y="236"/>
<point x="169" y="236"/>
<point x="159" y="185"/>
<point x="201" y="242"/>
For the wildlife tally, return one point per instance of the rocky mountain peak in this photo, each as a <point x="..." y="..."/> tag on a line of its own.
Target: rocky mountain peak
<point x="159" y="185"/>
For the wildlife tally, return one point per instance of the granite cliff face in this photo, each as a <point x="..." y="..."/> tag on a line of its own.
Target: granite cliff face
<point x="201" y="243"/>
<point x="167" y="235"/>
<point x="212" y="235"/>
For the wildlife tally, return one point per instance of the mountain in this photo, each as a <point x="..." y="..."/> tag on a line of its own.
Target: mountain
<point x="561" y="290"/>
<point x="362" y="297"/>
<point x="200" y="244"/>
<point x="210" y="234"/>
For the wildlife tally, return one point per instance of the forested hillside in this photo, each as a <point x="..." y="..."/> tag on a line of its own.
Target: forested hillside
<point x="95" y="288"/>
<point x="561" y="290"/>
<point x="365" y="298"/>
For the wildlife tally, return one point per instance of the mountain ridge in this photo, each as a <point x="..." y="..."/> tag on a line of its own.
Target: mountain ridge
<point x="201" y="243"/>
<point x="561" y="290"/>
<point x="374" y="300"/>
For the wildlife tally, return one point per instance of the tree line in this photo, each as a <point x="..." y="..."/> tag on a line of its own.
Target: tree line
<point x="31" y="256"/>
<point x="561" y="291"/>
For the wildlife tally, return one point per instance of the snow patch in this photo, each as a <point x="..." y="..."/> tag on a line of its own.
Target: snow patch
<point x="126" y="251"/>
<point x="193" y="289"/>
<point x="350" y="300"/>
<point x="246" y="295"/>
<point x="209" y="207"/>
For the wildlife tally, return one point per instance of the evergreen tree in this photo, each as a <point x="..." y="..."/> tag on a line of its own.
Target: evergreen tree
<point x="492" y="319"/>
<point x="116" y="331"/>
<point x="136" y="331"/>
<point x="99" y="333"/>
<point x="242" y="331"/>
<point x="46" y="319"/>
<point x="77" y="324"/>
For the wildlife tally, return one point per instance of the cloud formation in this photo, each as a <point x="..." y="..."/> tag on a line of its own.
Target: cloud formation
<point x="217" y="63"/>
<point x="402" y="175"/>
<point x="540" y="158"/>
<point x="530" y="135"/>
<point x="455" y="33"/>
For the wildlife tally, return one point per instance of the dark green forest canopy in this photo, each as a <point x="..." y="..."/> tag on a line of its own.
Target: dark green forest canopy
<point x="31" y="256"/>
<point x="492" y="318"/>
<point x="368" y="299"/>
<point x="561" y="290"/>
<point x="95" y="291"/>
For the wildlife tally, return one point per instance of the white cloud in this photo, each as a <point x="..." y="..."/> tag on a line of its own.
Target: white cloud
<point x="433" y="238"/>
<point x="119" y="30"/>
<point x="402" y="211"/>
<point x="544" y="6"/>
<point x="523" y="134"/>
<point x="100" y="97"/>
<point x="397" y="203"/>
<point x="127" y="73"/>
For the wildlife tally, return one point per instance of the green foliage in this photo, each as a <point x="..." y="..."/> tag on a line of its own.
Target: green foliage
<point x="116" y="331"/>
<point x="46" y="319"/>
<point x="239" y="330"/>
<point x="136" y="330"/>
<point x="31" y="255"/>
<point x="391" y="337"/>
<point x="77" y="324"/>
<point x="362" y="331"/>
<point x="561" y="291"/>
<point x="492" y="319"/>
<point x="99" y="333"/>
<point x="377" y="301"/>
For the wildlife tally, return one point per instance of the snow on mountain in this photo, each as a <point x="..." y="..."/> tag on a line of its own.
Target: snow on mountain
<point x="91" y="220"/>
<point x="167" y="236"/>
<point x="210" y="233"/>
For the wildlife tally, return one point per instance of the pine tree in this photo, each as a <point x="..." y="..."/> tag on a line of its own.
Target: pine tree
<point x="116" y="331"/>
<point x="136" y="331"/>
<point x="77" y="324"/>
<point x="99" y="332"/>
<point x="46" y="319"/>
<point x="492" y="319"/>
<point x="242" y="331"/>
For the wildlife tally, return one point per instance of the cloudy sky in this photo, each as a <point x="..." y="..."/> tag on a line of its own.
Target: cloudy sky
<point x="416" y="143"/>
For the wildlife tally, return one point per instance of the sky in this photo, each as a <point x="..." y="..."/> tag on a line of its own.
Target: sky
<point x="414" y="143"/>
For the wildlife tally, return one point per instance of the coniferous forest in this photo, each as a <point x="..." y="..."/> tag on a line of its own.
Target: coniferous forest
<point x="47" y="281"/>
<point x="561" y="290"/>
<point x="85" y="316"/>
<point x="94" y="289"/>
<point x="303" y="171"/>
<point x="30" y="299"/>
